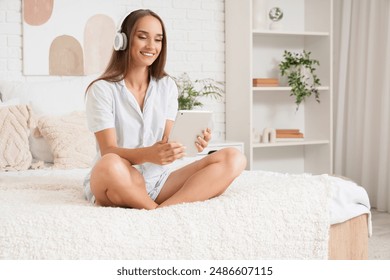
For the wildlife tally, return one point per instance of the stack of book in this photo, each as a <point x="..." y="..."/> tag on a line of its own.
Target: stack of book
<point x="265" y="82"/>
<point x="289" y="135"/>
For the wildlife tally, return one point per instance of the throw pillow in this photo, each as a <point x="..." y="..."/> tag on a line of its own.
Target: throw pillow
<point x="15" y="122"/>
<point x="70" y="141"/>
<point x="40" y="149"/>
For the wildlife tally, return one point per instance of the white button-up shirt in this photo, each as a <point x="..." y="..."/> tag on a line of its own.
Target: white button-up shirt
<point x="112" y="105"/>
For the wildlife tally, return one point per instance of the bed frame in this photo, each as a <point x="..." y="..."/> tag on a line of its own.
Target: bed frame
<point x="349" y="240"/>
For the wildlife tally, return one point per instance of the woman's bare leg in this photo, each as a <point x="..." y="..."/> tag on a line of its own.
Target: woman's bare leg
<point x="203" y="179"/>
<point x="114" y="182"/>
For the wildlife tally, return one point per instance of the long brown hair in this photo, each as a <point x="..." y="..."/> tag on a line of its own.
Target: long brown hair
<point x="118" y="65"/>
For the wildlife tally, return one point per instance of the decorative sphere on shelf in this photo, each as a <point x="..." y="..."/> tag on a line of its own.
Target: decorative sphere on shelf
<point x="275" y="14"/>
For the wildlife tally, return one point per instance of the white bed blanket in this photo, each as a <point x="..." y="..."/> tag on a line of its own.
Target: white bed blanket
<point x="263" y="215"/>
<point x="348" y="200"/>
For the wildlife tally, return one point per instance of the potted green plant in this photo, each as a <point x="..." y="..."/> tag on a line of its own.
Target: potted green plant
<point x="190" y="92"/>
<point x="300" y="71"/>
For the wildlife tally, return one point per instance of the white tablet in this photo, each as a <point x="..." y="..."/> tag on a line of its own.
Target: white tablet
<point x="190" y="124"/>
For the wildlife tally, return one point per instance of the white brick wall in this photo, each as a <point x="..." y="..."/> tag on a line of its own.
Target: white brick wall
<point x="195" y="31"/>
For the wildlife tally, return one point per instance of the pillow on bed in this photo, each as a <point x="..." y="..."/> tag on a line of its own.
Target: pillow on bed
<point x="57" y="97"/>
<point x="71" y="143"/>
<point x="14" y="101"/>
<point x="15" y="121"/>
<point x="40" y="149"/>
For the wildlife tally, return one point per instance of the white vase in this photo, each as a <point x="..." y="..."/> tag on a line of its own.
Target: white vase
<point x="259" y="14"/>
<point x="275" y="25"/>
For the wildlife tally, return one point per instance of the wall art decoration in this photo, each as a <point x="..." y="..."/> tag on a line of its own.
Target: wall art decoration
<point x="67" y="37"/>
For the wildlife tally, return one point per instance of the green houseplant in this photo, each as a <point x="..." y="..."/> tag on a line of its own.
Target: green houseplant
<point x="300" y="71"/>
<point x="190" y="92"/>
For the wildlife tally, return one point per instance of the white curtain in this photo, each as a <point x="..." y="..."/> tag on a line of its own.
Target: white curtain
<point x="362" y="96"/>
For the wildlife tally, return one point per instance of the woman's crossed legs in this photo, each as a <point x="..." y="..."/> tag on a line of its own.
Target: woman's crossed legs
<point x="114" y="182"/>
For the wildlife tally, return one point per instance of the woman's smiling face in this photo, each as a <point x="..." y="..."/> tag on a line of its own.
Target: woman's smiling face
<point x="146" y="42"/>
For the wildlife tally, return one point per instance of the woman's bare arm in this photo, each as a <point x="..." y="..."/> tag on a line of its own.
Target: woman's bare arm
<point x="161" y="152"/>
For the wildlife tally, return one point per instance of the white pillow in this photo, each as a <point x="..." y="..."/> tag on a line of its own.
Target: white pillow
<point x="40" y="149"/>
<point x="48" y="98"/>
<point x="11" y="102"/>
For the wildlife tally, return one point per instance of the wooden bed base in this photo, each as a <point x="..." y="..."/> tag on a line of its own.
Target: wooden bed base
<point x="349" y="240"/>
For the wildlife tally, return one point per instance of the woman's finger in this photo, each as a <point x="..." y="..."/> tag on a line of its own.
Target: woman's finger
<point x="207" y="134"/>
<point x="202" y="142"/>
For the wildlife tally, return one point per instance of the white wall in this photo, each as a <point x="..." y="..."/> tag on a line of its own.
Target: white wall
<point x="195" y="32"/>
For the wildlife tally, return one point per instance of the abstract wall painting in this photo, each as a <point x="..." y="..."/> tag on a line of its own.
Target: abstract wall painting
<point x="67" y="37"/>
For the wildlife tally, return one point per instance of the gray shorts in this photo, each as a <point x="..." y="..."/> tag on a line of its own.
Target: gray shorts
<point x="153" y="186"/>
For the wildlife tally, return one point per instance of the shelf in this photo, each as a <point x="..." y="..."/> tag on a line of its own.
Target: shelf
<point x="289" y="33"/>
<point x="282" y="88"/>
<point x="290" y="143"/>
<point x="253" y="52"/>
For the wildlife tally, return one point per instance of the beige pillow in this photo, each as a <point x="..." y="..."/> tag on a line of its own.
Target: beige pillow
<point x="15" y="152"/>
<point x="70" y="141"/>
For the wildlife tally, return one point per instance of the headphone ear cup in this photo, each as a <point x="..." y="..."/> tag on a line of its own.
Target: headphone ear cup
<point x="120" y="41"/>
<point x="124" y="41"/>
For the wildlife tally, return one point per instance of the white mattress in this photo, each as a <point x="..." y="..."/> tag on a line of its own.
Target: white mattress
<point x="39" y="174"/>
<point x="348" y="200"/>
<point x="263" y="215"/>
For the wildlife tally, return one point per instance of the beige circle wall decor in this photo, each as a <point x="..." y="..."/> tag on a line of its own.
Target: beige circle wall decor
<point x="67" y="37"/>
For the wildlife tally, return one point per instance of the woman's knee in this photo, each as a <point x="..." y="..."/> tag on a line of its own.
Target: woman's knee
<point x="234" y="160"/>
<point x="110" y="166"/>
<point x="112" y="169"/>
<point x="113" y="177"/>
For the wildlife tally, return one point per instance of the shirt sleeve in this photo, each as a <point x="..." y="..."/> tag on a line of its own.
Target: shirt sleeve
<point x="172" y="102"/>
<point x="100" y="107"/>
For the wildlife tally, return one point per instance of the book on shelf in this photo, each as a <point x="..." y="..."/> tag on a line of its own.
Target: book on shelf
<point x="265" y="82"/>
<point x="289" y="135"/>
<point x="288" y="130"/>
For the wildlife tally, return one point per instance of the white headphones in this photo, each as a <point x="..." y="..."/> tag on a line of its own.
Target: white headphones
<point x="120" y="40"/>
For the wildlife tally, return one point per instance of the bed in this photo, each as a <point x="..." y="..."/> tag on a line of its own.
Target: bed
<point x="263" y="215"/>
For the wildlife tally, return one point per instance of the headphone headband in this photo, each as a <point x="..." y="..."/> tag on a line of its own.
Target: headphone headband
<point x="120" y="40"/>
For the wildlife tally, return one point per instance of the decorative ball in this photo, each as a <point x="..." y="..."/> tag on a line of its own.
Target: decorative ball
<point x="275" y="14"/>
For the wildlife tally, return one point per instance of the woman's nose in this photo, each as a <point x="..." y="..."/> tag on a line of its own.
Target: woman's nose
<point x="150" y="43"/>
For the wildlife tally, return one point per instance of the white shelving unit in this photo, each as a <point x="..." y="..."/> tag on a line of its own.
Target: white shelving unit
<point x="256" y="53"/>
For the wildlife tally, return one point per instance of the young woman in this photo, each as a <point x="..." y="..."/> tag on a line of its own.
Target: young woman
<point x="131" y="109"/>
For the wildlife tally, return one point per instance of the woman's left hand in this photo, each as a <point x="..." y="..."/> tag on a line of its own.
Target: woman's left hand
<point x="203" y="141"/>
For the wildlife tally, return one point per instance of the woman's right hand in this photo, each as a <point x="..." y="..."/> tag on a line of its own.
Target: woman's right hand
<point x="161" y="152"/>
<point x="164" y="152"/>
